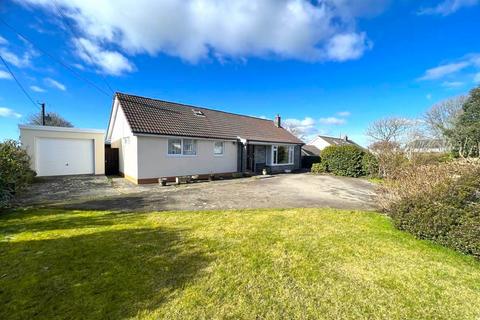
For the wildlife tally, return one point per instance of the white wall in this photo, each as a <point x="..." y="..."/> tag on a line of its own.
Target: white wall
<point x="154" y="162"/>
<point x="319" y="143"/>
<point x="29" y="135"/>
<point x="122" y="138"/>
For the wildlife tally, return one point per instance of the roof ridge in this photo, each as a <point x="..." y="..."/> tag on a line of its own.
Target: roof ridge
<point x="192" y="106"/>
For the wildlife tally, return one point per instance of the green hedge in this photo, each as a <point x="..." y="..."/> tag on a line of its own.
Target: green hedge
<point x="343" y="160"/>
<point x="15" y="173"/>
<point x="448" y="213"/>
<point x="318" y="168"/>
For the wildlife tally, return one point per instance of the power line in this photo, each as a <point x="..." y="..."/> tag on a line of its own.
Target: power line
<point x="74" y="72"/>
<point x="18" y="82"/>
<point x="66" y="23"/>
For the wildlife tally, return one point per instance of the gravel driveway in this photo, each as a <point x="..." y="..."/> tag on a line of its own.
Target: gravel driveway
<point x="279" y="191"/>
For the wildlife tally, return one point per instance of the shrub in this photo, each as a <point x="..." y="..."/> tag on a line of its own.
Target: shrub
<point x="318" y="168"/>
<point x="15" y="173"/>
<point x="343" y="160"/>
<point x="439" y="202"/>
<point x="370" y="165"/>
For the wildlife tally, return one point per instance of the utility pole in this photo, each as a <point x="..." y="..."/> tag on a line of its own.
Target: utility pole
<point x="43" y="114"/>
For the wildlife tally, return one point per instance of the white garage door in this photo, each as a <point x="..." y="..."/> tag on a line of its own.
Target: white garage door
<point x="64" y="156"/>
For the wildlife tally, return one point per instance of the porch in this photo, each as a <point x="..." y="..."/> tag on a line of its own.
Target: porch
<point x="276" y="158"/>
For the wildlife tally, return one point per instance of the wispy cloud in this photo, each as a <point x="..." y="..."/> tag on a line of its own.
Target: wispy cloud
<point x="18" y="60"/>
<point x="9" y="113"/>
<point x="452" y="84"/>
<point x="476" y="78"/>
<point x="454" y="74"/>
<point x="428" y="96"/>
<point x="108" y="61"/>
<point x="37" y="89"/>
<point x="332" y="121"/>
<point x="444" y="70"/>
<point x="344" y="113"/>
<point x="5" y="75"/>
<point x="55" y="84"/>
<point x="447" y="7"/>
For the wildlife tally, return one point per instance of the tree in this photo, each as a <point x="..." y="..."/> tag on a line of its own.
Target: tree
<point x="465" y="134"/>
<point x="389" y="129"/>
<point x="51" y="119"/>
<point x="390" y="157"/>
<point x="441" y="117"/>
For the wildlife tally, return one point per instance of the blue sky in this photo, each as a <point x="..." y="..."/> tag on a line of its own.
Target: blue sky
<point x="329" y="67"/>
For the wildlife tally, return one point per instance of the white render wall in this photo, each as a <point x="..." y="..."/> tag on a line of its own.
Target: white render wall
<point x="123" y="139"/>
<point x="154" y="161"/>
<point x="319" y="143"/>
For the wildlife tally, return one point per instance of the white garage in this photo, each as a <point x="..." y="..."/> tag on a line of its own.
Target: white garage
<point x="58" y="151"/>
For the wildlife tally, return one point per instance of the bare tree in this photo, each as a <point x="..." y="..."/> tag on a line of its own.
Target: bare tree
<point x="389" y="129"/>
<point x="441" y="117"/>
<point x="51" y="119"/>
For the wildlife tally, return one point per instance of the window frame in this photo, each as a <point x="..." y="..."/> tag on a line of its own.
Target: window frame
<point x="290" y="155"/>
<point x="223" y="148"/>
<point x="182" y="153"/>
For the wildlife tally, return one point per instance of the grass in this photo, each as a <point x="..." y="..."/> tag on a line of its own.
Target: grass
<point x="255" y="264"/>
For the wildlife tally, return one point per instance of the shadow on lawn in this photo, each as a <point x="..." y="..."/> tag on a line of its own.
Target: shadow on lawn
<point x="111" y="274"/>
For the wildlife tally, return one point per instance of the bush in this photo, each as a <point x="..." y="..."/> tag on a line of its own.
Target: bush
<point x="370" y="165"/>
<point x="438" y="202"/>
<point x="318" y="168"/>
<point x="343" y="160"/>
<point x="15" y="173"/>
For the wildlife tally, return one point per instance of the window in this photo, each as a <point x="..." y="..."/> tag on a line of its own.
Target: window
<point x="186" y="147"/>
<point x="174" y="146"/>
<point x="198" y="113"/>
<point x="218" y="148"/>
<point x="189" y="147"/>
<point x="282" y="155"/>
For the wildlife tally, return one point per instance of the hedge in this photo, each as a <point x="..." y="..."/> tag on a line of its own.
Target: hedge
<point x="15" y="172"/>
<point x="343" y="160"/>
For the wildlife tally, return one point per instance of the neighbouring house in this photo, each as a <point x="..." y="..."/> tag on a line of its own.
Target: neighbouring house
<point x="56" y="151"/>
<point x="160" y="139"/>
<point x="427" y="146"/>
<point x="319" y="143"/>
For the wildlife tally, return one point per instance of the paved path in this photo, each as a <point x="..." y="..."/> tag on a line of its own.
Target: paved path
<point x="279" y="191"/>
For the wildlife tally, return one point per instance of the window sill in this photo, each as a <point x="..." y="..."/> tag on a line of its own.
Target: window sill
<point x="182" y="155"/>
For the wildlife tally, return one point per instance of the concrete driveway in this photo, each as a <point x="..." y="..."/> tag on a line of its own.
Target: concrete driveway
<point x="280" y="191"/>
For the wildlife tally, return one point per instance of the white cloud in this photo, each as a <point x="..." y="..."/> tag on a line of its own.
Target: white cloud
<point x="447" y="7"/>
<point x="443" y="70"/>
<point x="5" y="75"/>
<point x="9" y="113"/>
<point x="236" y="29"/>
<point x="349" y="46"/>
<point x="55" y="84"/>
<point x="452" y="84"/>
<point x="19" y="61"/>
<point x="37" y="89"/>
<point x="344" y="113"/>
<point x="3" y="40"/>
<point x="476" y="78"/>
<point x="109" y="62"/>
<point x="332" y="121"/>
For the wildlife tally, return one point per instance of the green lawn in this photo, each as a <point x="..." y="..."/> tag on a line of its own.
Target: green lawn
<point x="255" y="264"/>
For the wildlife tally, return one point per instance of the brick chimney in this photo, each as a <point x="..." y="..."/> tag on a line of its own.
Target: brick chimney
<point x="278" y="121"/>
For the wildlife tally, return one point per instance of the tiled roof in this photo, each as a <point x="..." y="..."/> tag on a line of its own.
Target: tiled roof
<point x="337" y="141"/>
<point x="310" y="150"/>
<point x="152" y="116"/>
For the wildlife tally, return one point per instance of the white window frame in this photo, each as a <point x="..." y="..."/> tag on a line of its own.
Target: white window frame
<point x="182" y="153"/>
<point x="290" y="155"/>
<point x="222" y="143"/>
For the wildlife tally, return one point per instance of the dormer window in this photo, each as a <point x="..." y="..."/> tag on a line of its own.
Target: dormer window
<point x="198" y="113"/>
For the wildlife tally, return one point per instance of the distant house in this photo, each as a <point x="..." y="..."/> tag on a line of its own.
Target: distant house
<point x="161" y="139"/>
<point x="314" y="147"/>
<point x="427" y="146"/>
